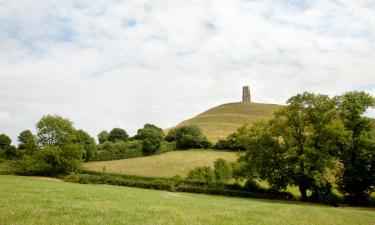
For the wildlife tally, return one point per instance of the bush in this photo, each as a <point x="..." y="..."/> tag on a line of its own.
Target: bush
<point x="222" y="170"/>
<point x="188" y="137"/>
<point x="166" y="147"/>
<point x="229" y="143"/>
<point x="201" y="175"/>
<point x="252" y="186"/>
<point x="118" y="150"/>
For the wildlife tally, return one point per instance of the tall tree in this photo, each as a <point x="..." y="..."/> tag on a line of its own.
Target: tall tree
<point x="54" y="131"/>
<point x="103" y="136"/>
<point x="152" y="137"/>
<point x="303" y="138"/>
<point x="358" y="153"/>
<point x="60" y="150"/>
<point x="4" y="141"/>
<point x="27" y="142"/>
<point x="88" y="144"/>
<point x="117" y="134"/>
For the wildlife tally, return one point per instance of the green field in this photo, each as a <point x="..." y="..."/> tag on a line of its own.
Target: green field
<point x="33" y="200"/>
<point x="163" y="165"/>
<point x="223" y="120"/>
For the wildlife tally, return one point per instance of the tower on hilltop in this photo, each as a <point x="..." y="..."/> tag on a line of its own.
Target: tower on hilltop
<point x="246" y="97"/>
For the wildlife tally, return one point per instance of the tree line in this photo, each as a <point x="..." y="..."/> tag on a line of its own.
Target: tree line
<point x="59" y="148"/>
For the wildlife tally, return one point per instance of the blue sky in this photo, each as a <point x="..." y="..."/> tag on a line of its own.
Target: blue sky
<point x="106" y="64"/>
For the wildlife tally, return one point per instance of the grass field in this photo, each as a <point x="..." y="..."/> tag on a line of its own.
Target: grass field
<point x="33" y="200"/>
<point x="223" y="120"/>
<point x="163" y="165"/>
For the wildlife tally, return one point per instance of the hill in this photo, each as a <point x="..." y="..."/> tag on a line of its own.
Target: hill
<point x="55" y="202"/>
<point x="163" y="165"/>
<point x="220" y="121"/>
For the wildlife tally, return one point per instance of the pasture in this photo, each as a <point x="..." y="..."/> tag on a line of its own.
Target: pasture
<point x="39" y="201"/>
<point x="163" y="165"/>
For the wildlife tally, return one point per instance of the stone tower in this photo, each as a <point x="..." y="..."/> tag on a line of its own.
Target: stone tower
<point x="246" y="97"/>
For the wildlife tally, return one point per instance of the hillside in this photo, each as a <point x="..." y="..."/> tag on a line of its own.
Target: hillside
<point x="55" y="202"/>
<point x="163" y="165"/>
<point x="220" y="121"/>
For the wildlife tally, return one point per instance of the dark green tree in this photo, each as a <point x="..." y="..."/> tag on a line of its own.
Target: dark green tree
<point x="88" y="143"/>
<point x="5" y="141"/>
<point x="152" y="137"/>
<point x="358" y="154"/>
<point x="117" y="134"/>
<point x="103" y="136"/>
<point x="27" y="142"/>
<point x="190" y="136"/>
<point x="6" y="149"/>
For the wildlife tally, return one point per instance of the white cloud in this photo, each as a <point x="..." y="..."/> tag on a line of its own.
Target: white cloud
<point x="105" y="64"/>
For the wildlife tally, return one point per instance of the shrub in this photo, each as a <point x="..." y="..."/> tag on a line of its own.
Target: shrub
<point x="201" y="175"/>
<point x="252" y="186"/>
<point x="229" y="143"/>
<point x="222" y="170"/>
<point x="118" y="150"/>
<point x="167" y="147"/>
<point x="188" y="137"/>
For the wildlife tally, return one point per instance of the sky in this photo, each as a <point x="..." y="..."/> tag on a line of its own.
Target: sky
<point x="106" y="64"/>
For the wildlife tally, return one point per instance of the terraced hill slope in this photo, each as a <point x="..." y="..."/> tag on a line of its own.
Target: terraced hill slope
<point x="220" y="121"/>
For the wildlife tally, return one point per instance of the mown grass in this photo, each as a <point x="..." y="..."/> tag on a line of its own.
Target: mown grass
<point x="163" y="165"/>
<point x="32" y="200"/>
<point x="223" y="120"/>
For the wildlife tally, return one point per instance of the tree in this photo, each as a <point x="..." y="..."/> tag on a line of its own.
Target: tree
<point x="7" y="150"/>
<point x="357" y="154"/>
<point x="60" y="150"/>
<point x="103" y="136"/>
<point x="27" y="142"/>
<point x="152" y="137"/>
<point x="190" y="136"/>
<point x="117" y="134"/>
<point x="54" y="131"/>
<point x="298" y="146"/>
<point x="4" y="141"/>
<point x="88" y="144"/>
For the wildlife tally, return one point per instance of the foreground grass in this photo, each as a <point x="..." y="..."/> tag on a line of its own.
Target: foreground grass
<point x="32" y="200"/>
<point x="163" y="165"/>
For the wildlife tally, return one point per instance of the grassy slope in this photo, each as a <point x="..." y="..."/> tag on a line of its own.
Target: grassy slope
<point x="31" y="200"/>
<point x="163" y="165"/>
<point x="223" y="120"/>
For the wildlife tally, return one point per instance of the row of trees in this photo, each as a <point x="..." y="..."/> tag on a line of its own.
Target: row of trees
<point x="58" y="147"/>
<point x="311" y="140"/>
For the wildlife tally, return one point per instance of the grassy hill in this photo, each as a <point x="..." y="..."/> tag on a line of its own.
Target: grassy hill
<point x="163" y="165"/>
<point x="55" y="202"/>
<point x="223" y="120"/>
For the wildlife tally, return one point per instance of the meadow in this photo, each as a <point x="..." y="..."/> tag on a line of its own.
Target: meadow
<point x="163" y="165"/>
<point x="35" y="200"/>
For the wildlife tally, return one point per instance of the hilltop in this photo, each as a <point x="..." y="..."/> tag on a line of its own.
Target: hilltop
<point x="222" y="120"/>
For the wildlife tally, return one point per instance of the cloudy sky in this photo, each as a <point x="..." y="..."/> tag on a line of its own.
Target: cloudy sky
<point x="106" y="64"/>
